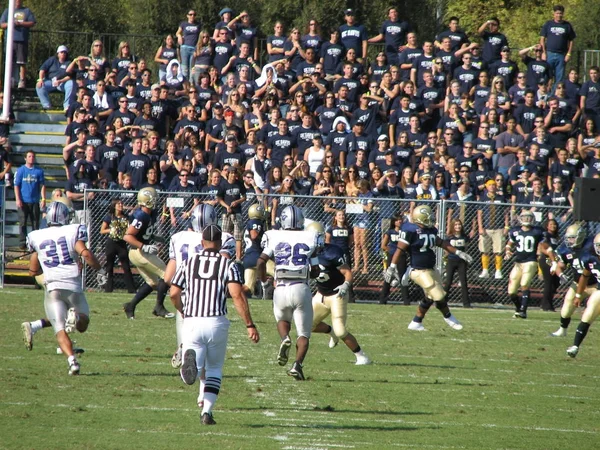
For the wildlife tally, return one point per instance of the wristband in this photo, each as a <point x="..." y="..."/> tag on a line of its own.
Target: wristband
<point x="507" y="228"/>
<point x="251" y="326"/>
<point x="393" y="266"/>
<point x="577" y="295"/>
<point x="568" y="54"/>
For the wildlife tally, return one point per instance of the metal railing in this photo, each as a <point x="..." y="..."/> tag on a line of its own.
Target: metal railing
<point x="367" y="286"/>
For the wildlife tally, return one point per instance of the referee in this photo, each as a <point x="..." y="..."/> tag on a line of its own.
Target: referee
<point x="206" y="277"/>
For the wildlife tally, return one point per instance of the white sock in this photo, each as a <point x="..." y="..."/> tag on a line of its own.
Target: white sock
<point x="36" y="326"/>
<point x="179" y="327"/>
<point x="209" y="401"/>
<point x="71" y="359"/>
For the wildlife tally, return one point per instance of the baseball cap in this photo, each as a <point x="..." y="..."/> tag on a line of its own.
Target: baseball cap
<point x="349" y="12"/>
<point x="229" y="112"/>
<point x="542" y="81"/>
<point x="211" y="233"/>
<point x="225" y="11"/>
<point x="155" y="86"/>
<point x="231" y="138"/>
<point x="217" y="106"/>
<point x="389" y="152"/>
<point x="506" y="48"/>
<point x="383" y="137"/>
<point x="424" y="176"/>
<point x="62" y="48"/>
<point x="360" y="123"/>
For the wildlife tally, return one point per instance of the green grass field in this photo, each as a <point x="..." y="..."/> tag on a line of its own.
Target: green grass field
<point x="500" y="383"/>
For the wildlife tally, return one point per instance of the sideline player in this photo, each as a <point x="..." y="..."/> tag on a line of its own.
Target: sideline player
<point x="525" y="242"/>
<point x="145" y="255"/>
<point x="591" y="265"/>
<point x="333" y="289"/>
<point x="253" y="233"/>
<point x="569" y="255"/>
<point x="294" y="253"/>
<point x="55" y="252"/>
<point x="418" y="237"/>
<point x="206" y="277"/>
<point x="184" y="245"/>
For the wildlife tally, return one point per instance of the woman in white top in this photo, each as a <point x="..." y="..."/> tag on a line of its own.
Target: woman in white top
<point x="260" y="165"/>
<point x="315" y="154"/>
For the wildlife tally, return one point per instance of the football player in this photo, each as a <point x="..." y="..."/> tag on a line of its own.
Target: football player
<point x="294" y="252"/>
<point x="253" y="233"/>
<point x="569" y="255"/>
<point x="187" y="243"/>
<point x="144" y="255"/>
<point x="182" y="246"/>
<point x="525" y="242"/>
<point x="55" y="253"/>
<point x="333" y="289"/>
<point x="591" y="266"/>
<point x="418" y="238"/>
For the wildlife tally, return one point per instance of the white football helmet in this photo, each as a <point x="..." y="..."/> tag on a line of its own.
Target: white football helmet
<point x="422" y="215"/>
<point x="575" y="235"/>
<point x="291" y="218"/>
<point x="256" y="212"/>
<point x="58" y="214"/>
<point x="597" y="244"/>
<point x="526" y="218"/>
<point x="202" y="216"/>
<point x="147" y="197"/>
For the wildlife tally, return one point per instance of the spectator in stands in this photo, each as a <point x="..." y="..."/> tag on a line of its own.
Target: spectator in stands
<point x="114" y="225"/>
<point x="135" y="164"/>
<point x="75" y="191"/>
<point x="590" y="97"/>
<point x="362" y="223"/>
<point x="245" y="33"/>
<point x="354" y="36"/>
<point x="556" y="39"/>
<point x="393" y="32"/>
<point x="53" y="77"/>
<point x="459" y="239"/>
<point x="30" y="195"/>
<point x="493" y="224"/>
<point x="23" y="20"/>
<point x="165" y="53"/>
<point x="180" y="215"/>
<point x="231" y="195"/>
<point x="493" y="40"/>
<point x="551" y="281"/>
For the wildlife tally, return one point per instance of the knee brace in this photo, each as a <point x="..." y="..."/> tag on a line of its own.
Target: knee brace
<point x="425" y="304"/>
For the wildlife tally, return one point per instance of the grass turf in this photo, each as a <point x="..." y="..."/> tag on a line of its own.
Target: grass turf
<point x="501" y="383"/>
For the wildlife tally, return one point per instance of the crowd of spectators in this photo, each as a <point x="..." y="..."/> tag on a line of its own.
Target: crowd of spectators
<point x="431" y="117"/>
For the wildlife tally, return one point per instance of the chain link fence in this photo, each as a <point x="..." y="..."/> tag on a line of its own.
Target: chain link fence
<point x="366" y="255"/>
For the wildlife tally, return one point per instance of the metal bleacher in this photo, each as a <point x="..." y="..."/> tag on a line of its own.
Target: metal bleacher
<point x="43" y="132"/>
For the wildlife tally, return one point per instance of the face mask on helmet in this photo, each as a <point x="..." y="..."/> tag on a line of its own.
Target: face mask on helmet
<point x="147" y="197"/>
<point x="526" y="219"/>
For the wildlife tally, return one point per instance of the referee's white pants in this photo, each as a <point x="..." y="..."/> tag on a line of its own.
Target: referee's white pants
<point x="208" y="337"/>
<point x="293" y="301"/>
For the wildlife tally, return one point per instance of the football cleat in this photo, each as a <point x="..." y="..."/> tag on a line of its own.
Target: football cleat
<point x="76" y="350"/>
<point x="71" y="322"/>
<point x="333" y="341"/>
<point x="189" y="369"/>
<point x="162" y="312"/>
<point x="74" y="368"/>
<point x="520" y="315"/>
<point x="362" y="360"/>
<point x="416" y="326"/>
<point x="498" y="275"/>
<point x="561" y="332"/>
<point x="453" y="322"/>
<point x="296" y="371"/>
<point x="27" y="335"/>
<point x="176" y="358"/>
<point x="572" y="351"/>
<point x="129" y="311"/>
<point x="207" y="419"/>
<point x="284" y="351"/>
<point x="484" y="274"/>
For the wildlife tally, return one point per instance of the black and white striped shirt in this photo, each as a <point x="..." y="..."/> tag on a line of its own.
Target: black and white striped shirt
<point x="205" y="277"/>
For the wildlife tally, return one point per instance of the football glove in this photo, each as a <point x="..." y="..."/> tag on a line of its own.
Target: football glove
<point x="343" y="289"/>
<point x="391" y="274"/>
<point x="553" y="267"/>
<point x="563" y="279"/>
<point x="151" y="249"/>
<point x="406" y="277"/>
<point x="464" y="256"/>
<point x="102" y="277"/>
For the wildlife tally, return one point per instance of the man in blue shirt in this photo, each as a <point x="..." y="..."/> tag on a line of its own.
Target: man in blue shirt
<point x="353" y="35"/>
<point x="556" y="39"/>
<point x="53" y="77"/>
<point x="30" y="193"/>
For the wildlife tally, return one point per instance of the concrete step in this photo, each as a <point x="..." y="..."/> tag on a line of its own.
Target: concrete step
<point x="38" y="139"/>
<point x="37" y="128"/>
<point x="43" y="159"/>
<point x="38" y="149"/>
<point x="40" y="116"/>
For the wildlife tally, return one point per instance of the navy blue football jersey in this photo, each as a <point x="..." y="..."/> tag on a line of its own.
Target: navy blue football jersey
<point x="591" y="262"/>
<point x="253" y="245"/>
<point x="526" y="243"/>
<point x="421" y="242"/>
<point x="331" y="259"/>
<point x="144" y="223"/>
<point x="572" y="258"/>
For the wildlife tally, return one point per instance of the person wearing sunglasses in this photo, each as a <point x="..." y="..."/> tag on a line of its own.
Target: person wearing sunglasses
<point x="493" y="40"/>
<point x="505" y="67"/>
<point x="188" y="35"/>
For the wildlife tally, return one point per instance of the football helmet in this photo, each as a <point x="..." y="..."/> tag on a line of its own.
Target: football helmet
<point x="291" y="218"/>
<point x="422" y="215"/>
<point x="319" y="230"/>
<point x="256" y="212"/>
<point x="147" y="197"/>
<point x="597" y="244"/>
<point x="203" y="216"/>
<point x="65" y="201"/>
<point x="526" y="218"/>
<point x="58" y="214"/>
<point x="575" y="235"/>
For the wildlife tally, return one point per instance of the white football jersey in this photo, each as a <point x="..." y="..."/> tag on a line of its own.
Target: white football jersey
<point x="58" y="258"/>
<point x="292" y="251"/>
<point x="185" y="244"/>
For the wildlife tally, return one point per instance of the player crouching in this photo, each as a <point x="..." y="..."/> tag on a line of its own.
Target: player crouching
<point x="418" y="238"/>
<point x="333" y="289"/>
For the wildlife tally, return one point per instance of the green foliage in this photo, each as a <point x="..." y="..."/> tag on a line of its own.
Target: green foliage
<point x="500" y="383"/>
